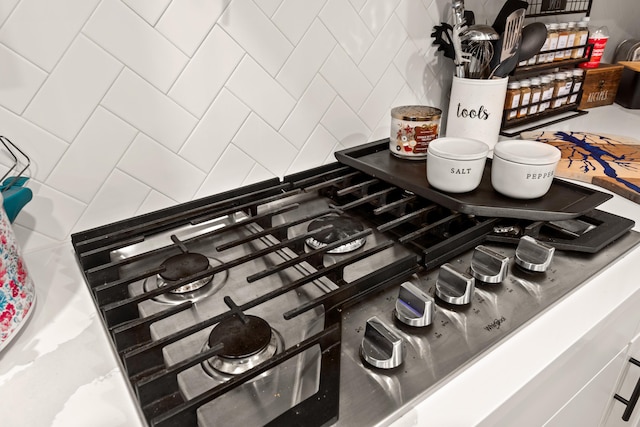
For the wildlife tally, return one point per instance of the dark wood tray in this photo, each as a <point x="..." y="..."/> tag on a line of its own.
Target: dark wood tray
<point x="564" y="200"/>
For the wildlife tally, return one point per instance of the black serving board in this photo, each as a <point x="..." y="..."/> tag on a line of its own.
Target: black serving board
<point x="564" y="200"/>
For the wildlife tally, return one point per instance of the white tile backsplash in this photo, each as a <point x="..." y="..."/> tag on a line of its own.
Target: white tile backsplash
<point x="42" y="30"/>
<point x="257" y="34"/>
<point x="207" y="72"/>
<point x="87" y="163"/>
<point x="20" y="80"/>
<point x="121" y="32"/>
<point x="86" y="68"/>
<point x="159" y="168"/>
<point x="127" y="106"/>
<point x="140" y="104"/>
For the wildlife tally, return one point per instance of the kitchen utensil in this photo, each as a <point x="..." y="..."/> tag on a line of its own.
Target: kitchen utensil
<point x="16" y="196"/>
<point x="508" y="8"/>
<point x="476" y="41"/>
<point x="627" y="50"/>
<point x="533" y="37"/>
<point x="17" y="292"/>
<point x="479" y="32"/>
<point x="505" y="58"/>
<point x="609" y="161"/>
<point x="443" y="38"/>
<point x="523" y="169"/>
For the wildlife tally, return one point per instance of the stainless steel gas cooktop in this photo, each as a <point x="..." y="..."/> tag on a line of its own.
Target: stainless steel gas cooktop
<point x="331" y="297"/>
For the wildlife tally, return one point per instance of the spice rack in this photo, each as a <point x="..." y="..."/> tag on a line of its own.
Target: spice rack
<point x="545" y="8"/>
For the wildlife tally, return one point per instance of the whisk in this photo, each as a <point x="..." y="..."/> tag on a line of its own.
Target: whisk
<point x="477" y="43"/>
<point x="479" y="53"/>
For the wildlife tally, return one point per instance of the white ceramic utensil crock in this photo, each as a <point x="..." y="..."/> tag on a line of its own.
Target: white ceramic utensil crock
<point x="17" y="292"/>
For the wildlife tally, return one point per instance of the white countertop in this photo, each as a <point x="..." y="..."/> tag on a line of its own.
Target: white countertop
<point x="61" y="371"/>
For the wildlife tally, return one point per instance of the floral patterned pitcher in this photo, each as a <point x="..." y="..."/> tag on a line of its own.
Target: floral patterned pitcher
<point x="17" y="293"/>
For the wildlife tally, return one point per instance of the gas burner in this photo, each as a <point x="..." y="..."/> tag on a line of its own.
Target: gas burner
<point x="184" y="265"/>
<point x="342" y="227"/>
<point x="247" y="343"/>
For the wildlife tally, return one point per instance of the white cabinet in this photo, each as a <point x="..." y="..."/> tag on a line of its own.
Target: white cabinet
<point x="577" y="388"/>
<point x="628" y="381"/>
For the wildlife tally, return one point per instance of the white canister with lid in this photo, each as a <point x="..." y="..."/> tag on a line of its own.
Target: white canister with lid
<point x="17" y="292"/>
<point x="456" y="165"/>
<point x="523" y="169"/>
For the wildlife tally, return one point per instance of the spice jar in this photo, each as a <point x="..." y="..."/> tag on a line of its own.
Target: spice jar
<point x="572" y="29"/>
<point x="578" y="78"/>
<point x="563" y="37"/>
<point x="536" y="94"/>
<point x="525" y="97"/>
<point x="559" y="84"/>
<point x="552" y="33"/>
<point x="547" y="93"/>
<point x="412" y="128"/>
<point x="512" y="100"/>
<point x="582" y="35"/>
<point x="542" y="55"/>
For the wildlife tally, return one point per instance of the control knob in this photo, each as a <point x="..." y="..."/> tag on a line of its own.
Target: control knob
<point x="533" y="255"/>
<point x="381" y="347"/>
<point x="413" y="306"/>
<point x="488" y="266"/>
<point x="453" y="286"/>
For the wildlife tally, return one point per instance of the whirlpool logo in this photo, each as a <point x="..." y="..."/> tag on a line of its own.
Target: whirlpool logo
<point x="480" y="113"/>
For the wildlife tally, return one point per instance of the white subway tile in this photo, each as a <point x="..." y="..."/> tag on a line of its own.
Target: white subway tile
<point x="30" y="240"/>
<point x="295" y="17"/>
<point x="43" y="148"/>
<point x="207" y="72"/>
<point x="118" y="199"/>
<point x="315" y="151"/>
<point x="232" y="168"/>
<point x="186" y="23"/>
<point x="384" y="49"/>
<point x="375" y="14"/>
<point x="215" y="131"/>
<point x="380" y="100"/>
<point x="125" y="35"/>
<point x="308" y="112"/>
<point x="143" y="106"/>
<point x="346" y="26"/>
<point x="261" y="92"/>
<point x="269" y="7"/>
<point x="6" y="8"/>
<point x="306" y="59"/>
<point x="20" y="80"/>
<point x="265" y="145"/>
<point x="74" y="89"/>
<point x="155" y="201"/>
<point x="345" y="125"/>
<point x="41" y="31"/>
<point x="249" y="26"/>
<point x="416" y="20"/>
<point x="412" y="65"/>
<point x="357" y="4"/>
<point x="161" y="169"/>
<point x="93" y="155"/>
<point x="346" y="78"/>
<point x="258" y="173"/>
<point x="150" y="11"/>
<point x="50" y="212"/>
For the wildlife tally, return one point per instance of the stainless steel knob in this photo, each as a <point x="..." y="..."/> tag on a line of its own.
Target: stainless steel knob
<point x="489" y="266"/>
<point x="533" y="255"/>
<point x="453" y="286"/>
<point x="381" y="347"/>
<point x="413" y="306"/>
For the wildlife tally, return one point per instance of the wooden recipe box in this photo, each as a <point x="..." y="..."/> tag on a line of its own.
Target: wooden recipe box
<point x="600" y="85"/>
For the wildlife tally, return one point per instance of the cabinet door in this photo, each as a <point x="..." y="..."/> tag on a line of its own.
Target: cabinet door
<point x="587" y="406"/>
<point x="626" y="385"/>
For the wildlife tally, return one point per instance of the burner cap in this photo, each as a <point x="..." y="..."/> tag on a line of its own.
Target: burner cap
<point x="343" y="227"/>
<point x="241" y="340"/>
<point x="184" y="265"/>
